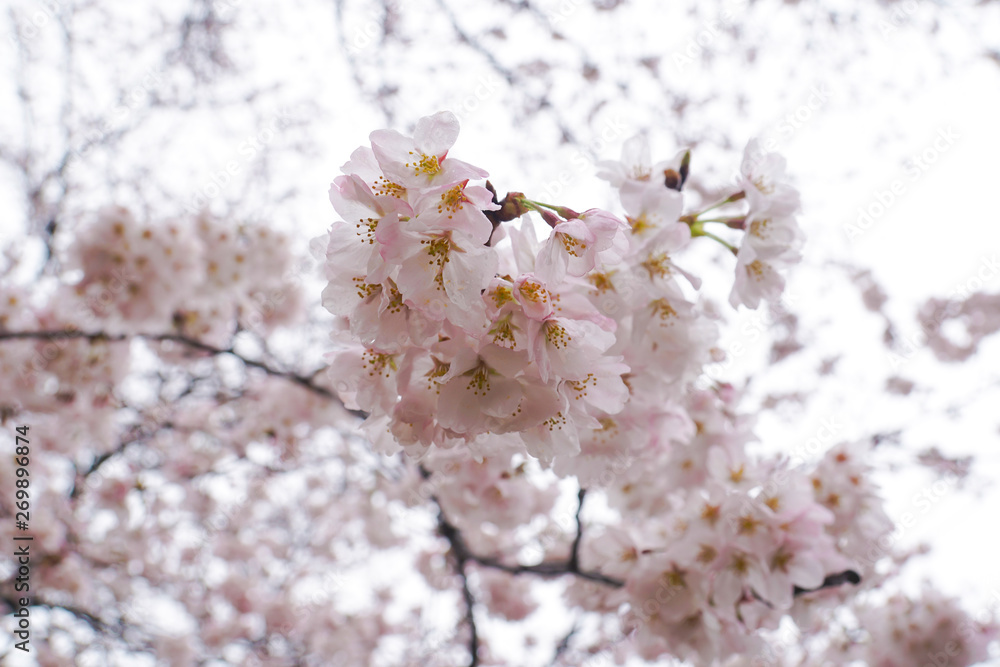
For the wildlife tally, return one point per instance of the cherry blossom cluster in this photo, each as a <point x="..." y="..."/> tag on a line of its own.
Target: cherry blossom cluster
<point x="201" y="277"/>
<point x="716" y="555"/>
<point x="72" y="380"/>
<point x="978" y="316"/>
<point x="93" y="537"/>
<point x="460" y="334"/>
<point x="192" y="273"/>
<point x="928" y="629"/>
<point x="773" y="239"/>
<point x="504" y="371"/>
<point x="455" y="328"/>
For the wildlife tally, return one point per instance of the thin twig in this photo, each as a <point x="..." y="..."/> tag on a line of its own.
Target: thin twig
<point x="574" y="554"/>
<point x="461" y="553"/>
<point x="563" y="644"/>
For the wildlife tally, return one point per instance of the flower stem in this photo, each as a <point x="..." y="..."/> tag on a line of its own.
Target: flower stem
<point x="562" y="211"/>
<point x="698" y="230"/>
<point x="728" y="200"/>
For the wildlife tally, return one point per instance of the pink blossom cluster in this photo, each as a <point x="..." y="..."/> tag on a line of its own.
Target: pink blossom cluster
<point x="458" y="335"/>
<point x="132" y="272"/>
<point x="977" y="316"/>
<point x="193" y="274"/>
<point x="715" y="559"/>
<point x="455" y="329"/>
<point x="202" y="511"/>
<point x="773" y="238"/>
<point x="930" y="629"/>
<point x="504" y="372"/>
<point x="69" y="382"/>
<point x="446" y="339"/>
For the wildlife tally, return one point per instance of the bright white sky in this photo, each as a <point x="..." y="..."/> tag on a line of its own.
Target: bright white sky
<point x="929" y="242"/>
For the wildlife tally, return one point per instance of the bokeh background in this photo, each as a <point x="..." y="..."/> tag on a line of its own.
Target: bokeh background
<point x="886" y="111"/>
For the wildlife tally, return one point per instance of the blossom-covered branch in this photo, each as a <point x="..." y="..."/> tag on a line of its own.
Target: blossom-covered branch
<point x="306" y="381"/>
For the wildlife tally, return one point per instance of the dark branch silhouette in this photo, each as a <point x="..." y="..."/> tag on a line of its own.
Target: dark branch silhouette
<point x="832" y="581"/>
<point x="305" y="381"/>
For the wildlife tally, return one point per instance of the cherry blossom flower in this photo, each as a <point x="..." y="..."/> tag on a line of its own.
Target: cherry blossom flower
<point x="636" y="169"/>
<point x="756" y="279"/>
<point x="763" y="181"/>
<point x="421" y="161"/>
<point x="573" y="245"/>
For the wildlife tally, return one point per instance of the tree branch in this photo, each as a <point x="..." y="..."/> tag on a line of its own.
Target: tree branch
<point x="97" y="624"/>
<point x="462" y="556"/>
<point x="574" y="554"/>
<point x="831" y="581"/>
<point x="301" y="380"/>
<point x="563" y="644"/>
<point x="546" y="569"/>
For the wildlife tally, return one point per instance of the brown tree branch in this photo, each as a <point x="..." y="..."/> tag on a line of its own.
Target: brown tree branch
<point x="304" y="381"/>
<point x="574" y="554"/>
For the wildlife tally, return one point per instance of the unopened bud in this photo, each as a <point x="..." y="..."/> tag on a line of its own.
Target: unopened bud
<point x="551" y="219"/>
<point x="685" y="168"/>
<point x="512" y="206"/>
<point x="566" y="213"/>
